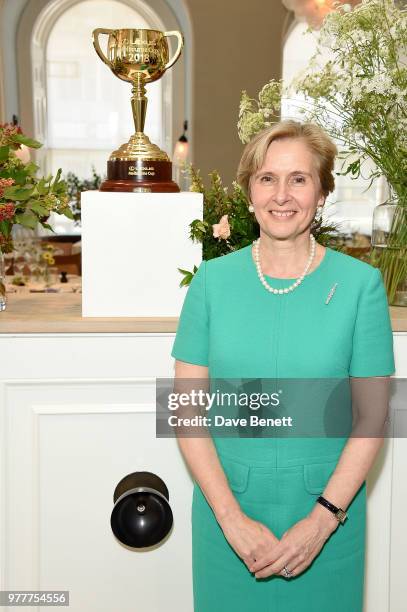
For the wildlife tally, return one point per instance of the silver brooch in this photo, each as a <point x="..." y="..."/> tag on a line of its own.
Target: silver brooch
<point x="330" y="294"/>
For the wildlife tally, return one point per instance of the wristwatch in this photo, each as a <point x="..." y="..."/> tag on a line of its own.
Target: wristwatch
<point x="338" y="513"/>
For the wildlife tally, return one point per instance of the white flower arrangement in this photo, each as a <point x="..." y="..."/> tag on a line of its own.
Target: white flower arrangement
<point x="359" y="97"/>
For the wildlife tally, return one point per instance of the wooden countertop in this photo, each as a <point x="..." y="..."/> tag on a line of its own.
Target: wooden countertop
<point x="43" y="313"/>
<point x="398" y="316"/>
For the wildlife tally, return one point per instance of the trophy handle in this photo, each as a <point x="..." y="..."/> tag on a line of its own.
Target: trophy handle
<point x="98" y="50"/>
<point x="179" y="48"/>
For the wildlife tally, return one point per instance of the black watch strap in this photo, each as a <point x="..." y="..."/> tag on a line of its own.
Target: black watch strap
<point x="339" y="514"/>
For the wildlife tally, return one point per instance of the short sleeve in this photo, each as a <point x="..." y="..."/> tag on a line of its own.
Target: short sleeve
<point x="191" y="340"/>
<point x="372" y="349"/>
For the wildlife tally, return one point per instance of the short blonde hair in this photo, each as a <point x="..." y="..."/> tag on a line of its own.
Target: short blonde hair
<point x="317" y="140"/>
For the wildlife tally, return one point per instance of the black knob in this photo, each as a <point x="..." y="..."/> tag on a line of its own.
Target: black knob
<point x="141" y="515"/>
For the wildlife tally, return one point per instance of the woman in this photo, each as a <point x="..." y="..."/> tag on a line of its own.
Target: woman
<point x="285" y="308"/>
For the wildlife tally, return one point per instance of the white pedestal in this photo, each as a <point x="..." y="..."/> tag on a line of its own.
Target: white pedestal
<point x="132" y="245"/>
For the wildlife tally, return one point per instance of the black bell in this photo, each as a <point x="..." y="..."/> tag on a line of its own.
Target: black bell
<point x="141" y="515"/>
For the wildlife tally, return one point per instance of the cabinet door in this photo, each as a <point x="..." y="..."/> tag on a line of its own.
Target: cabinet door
<point x="67" y="445"/>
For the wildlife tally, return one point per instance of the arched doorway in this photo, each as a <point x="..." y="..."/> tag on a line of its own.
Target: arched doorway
<point x="45" y="77"/>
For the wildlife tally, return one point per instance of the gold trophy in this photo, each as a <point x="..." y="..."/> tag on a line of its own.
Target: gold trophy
<point x="139" y="57"/>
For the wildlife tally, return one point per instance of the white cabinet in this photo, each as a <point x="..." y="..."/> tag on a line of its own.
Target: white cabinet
<point x="77" y="415"/>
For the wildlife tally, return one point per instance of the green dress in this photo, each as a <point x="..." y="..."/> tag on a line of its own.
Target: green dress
<point x="231" y="324"/>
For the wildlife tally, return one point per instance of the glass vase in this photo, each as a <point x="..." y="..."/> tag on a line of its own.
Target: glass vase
<point x="389" y="241"/>
<point x="3" y="297"/>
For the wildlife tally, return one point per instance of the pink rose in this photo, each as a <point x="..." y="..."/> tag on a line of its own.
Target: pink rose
<point x="221" y="229"/>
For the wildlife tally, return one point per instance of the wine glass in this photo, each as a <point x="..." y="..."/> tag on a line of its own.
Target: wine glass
<point x="51" y="278"/>
<point x="8" y="263"/>
<point x="33" y="256"/>
<point x="19" y="257"/>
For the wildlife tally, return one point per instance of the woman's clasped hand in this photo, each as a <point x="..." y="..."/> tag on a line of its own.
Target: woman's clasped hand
<point x="264" y="554"/>
<point x="249" y="538"/>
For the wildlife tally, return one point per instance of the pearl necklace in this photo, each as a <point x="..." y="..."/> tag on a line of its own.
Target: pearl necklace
<point x="294" y="285"/>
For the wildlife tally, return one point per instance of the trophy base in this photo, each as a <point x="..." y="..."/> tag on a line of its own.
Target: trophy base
<point x="139" y="175"/>
<point x="139" y="186"/>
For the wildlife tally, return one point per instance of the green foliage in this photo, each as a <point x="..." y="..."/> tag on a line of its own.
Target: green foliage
<point x="28" y="142"/>
<point x="187" y="276"/>
<point x="75" y="186"/>
<point x="4" y="153"/>
<point x="25" y="199"/>
<point x="220" y="201"/>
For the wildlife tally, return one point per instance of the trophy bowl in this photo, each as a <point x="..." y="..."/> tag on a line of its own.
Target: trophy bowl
<point x="138" y="51"/>
<point x="138" y="56"/>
